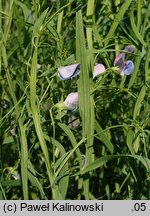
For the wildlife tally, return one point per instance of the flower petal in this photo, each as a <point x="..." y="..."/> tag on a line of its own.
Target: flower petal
<point x="71" y="101"/>
<point x="130" y="48"/>
<point x="68" y="71"/>
<point x="39" y="66"/>
<point x="128" y="68"/>
<point x="98" y="69"/>
<point x="119" y="60"/>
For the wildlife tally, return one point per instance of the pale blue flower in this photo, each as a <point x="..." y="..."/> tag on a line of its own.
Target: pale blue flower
<point x="125" y="67"/>
<point x="128" y="68"/>
<point x="68" y="72"/>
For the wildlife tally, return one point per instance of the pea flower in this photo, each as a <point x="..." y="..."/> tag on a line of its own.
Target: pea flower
<point x="68" y="72"/>
<point x="128" y="68"/>
<point x="98" y="69"/>
<point x="119" y="60"/>
<point x="130" y="48"/>
<point x="71" y="101"/>
<point x="125" y="67"/>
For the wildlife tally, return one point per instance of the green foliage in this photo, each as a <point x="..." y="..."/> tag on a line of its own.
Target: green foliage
<point x="44" y="152"/>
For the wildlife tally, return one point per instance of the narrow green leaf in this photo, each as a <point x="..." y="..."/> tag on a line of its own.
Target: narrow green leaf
<point x="86" y="107"/>
<point x="147" y="62"/>
<point x="136" y="69"/>
<point x="139" y="101"/>
<point x="135" y="28"/>
<point x="103" y="137"/>
<point x="129" y="141"/>
<point x="117" y="20"/>
<point x="37" y="28"/>
<point x="37" y="121"/>
<point x="11" y="183"/>
<point x="139" y="11"/>
<point x="25" y="10"/>
<point x="83" y="84"/>
<point x="8" y="139"/>
<point x="103" y="160"/>
<point x="72" y="138"/>
<point x="63" y="177"/>
<point x="2" y="193"/>
<point x="34" y="180"/>
<point x="69" y="60"/>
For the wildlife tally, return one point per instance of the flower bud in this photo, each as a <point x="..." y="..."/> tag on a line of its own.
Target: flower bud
<point x="71" y="101"/>
<point x="130" y="48"/>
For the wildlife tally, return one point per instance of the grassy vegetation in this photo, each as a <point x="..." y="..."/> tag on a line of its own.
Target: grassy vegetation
<point x="102" y="149"/>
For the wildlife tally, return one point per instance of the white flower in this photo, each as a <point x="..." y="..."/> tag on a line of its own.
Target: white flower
<point x="71" y="101"/>
<point x="98" y="69"/>
<point x="39" y="66"/>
